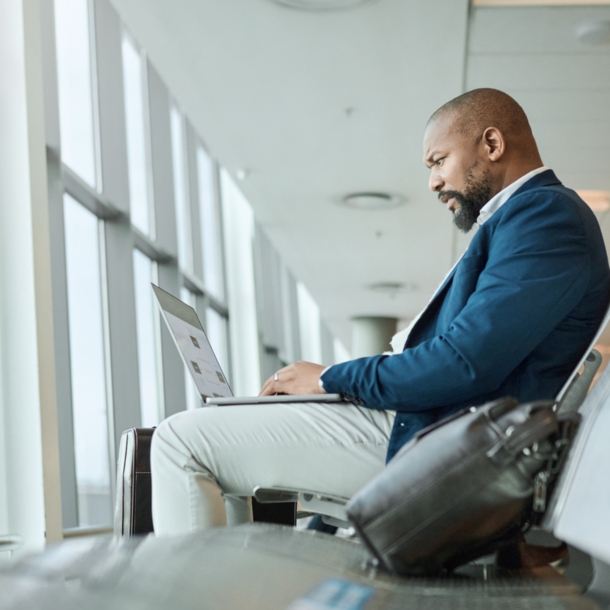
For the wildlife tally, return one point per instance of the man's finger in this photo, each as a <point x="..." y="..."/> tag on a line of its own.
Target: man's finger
<point x="265" y="391"/>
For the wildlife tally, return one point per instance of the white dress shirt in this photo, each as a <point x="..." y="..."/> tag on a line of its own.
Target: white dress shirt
<point x="497" y="201"/>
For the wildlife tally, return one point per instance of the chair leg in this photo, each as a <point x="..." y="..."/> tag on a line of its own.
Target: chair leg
<point x="282" y="513"/>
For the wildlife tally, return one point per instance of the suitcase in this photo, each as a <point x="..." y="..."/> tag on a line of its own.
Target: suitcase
<point x="133" y="508"/>
<point x="133" y="514"/>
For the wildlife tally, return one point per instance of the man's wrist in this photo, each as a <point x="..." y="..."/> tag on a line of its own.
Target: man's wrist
<point x="320" y="382"/>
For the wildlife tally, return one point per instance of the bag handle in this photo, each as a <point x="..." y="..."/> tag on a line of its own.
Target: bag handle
<point x="500" y="406"/>
<point x="540" y="425"/>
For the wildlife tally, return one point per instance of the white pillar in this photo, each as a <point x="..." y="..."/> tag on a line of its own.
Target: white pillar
<point x="30" y="500"/>
<point x="371" y="335"/>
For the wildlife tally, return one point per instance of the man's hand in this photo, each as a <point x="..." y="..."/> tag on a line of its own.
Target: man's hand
<point x="298" y="378"/>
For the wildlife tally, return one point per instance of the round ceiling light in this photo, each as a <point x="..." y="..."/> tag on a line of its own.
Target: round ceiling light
<point x="392" y="288"/>
<point x="320" y="5"/>
<point x="594" y="33"/>
<point x="372" y="201"/>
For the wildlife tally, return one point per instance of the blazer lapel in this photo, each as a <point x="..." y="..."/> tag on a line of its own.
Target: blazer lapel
<point x="432" y="305"/>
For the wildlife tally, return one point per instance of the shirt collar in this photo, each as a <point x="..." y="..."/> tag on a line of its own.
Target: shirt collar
<point x="497" y="201"/>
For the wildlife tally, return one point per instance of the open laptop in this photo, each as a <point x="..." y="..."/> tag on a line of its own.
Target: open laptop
<point x="201" y="362"/>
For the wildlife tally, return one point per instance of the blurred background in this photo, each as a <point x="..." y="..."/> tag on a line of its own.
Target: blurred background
<point x="261" y="160"/>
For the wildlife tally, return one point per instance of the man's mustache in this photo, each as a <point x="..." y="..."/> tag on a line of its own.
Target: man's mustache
<point x="445" y="196"/>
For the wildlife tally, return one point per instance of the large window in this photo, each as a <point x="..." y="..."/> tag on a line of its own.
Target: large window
<point x="211" y="235"/>
<point x="87" y="359"/>
<point x="147" y="327"/>
<point x="181" y="194"/>
<point x="217" y="332"/>
<point x="141" y="203"/>
<point x="75" y="86"/>
<point x="135" y="119"/>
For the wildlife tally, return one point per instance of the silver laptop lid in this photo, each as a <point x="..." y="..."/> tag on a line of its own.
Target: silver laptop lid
<point x="578" y="510"/>
<point x="193" y="345"/>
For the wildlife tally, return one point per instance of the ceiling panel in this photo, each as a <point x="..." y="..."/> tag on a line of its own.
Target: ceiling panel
<point x="547" y="3"/>
<point x="534" y="29"/>
<point x="568" y="106"/>
<point x="554" y="72"/>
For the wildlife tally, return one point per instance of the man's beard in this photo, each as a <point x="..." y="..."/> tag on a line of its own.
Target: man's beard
<point x="474" y="197"/>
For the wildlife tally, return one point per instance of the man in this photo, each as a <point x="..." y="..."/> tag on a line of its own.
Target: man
<point x="513" y="318"/>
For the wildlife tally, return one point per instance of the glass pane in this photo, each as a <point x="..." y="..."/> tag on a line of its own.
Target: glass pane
<point x="210" y="225"/>
<point x="146" y="312"/>
<point x="216" y="330"/>
<point x="185" y="252"/>
<point x="193" y="398"/>
<point x="309" y="323"/>
<point x="89" y="406"/>
<point x="136" y="136"/>
<point x="74" y="84"/>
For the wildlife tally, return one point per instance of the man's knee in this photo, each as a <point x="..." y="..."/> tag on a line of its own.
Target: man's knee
<point x="175" y="435"/>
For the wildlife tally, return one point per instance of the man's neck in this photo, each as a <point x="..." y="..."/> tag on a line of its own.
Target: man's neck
<point x="514" y="172"/>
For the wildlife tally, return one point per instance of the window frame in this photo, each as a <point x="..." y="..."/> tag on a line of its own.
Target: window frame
<point x="109" y="201"/>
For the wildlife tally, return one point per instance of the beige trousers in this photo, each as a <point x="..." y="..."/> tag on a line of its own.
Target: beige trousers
<point x="207" y="462"/>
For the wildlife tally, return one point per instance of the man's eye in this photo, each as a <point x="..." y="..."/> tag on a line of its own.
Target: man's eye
<point x="439" y="161"/>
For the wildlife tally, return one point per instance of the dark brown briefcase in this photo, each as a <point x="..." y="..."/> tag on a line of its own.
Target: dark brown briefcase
<point x="463" y="487"/>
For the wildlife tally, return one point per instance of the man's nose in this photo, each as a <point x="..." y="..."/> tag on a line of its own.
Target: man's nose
<point x="435" y="183"/>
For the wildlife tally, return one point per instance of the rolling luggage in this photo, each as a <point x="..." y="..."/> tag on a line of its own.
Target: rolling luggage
<point x="133" y="514"/>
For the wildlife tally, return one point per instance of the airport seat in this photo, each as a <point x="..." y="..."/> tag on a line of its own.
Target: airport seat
<point x="332" y="508"/>
<point x="260" y="566"/>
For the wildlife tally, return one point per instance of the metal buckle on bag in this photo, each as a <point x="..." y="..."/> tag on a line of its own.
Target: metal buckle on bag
<point x="540" y="489"/>
<point x="554" y="463"/>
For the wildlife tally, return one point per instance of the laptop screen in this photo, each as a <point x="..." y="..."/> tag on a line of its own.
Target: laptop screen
<point x="193" y="345"/>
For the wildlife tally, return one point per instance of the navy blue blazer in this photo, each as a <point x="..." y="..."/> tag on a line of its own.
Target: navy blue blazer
<point x="512" y="319"/>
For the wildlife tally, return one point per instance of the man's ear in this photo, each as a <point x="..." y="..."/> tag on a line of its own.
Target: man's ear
<point x="493" y="143"/>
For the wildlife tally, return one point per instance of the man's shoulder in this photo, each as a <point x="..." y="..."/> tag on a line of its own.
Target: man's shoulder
<point x="544" y="204"/>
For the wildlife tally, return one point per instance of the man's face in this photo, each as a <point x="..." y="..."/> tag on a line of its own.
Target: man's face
<point x="458" y="174"/>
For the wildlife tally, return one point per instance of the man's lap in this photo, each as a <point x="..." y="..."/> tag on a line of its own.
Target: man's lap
<point x="329" y="447"/>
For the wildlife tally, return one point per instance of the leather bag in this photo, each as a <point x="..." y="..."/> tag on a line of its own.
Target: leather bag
<point x="462" y="487"/>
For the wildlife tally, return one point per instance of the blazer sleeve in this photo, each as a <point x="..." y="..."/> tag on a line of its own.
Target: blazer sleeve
<point x="537" y="271"/>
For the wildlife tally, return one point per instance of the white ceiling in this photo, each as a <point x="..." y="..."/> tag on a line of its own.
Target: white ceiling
<point x="268" y="88"/>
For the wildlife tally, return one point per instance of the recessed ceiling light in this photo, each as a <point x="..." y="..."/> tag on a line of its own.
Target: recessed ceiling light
<point x="594" y="33"/>
<point x="598" y="201"/>
<point x="392" y="288"/>
<point x="320" y="5"/>
<point x="372" y="201"/>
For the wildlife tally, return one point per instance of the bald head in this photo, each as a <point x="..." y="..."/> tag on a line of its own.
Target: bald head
<point x="476" y="145"/>
<point x="476" y="110"/>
